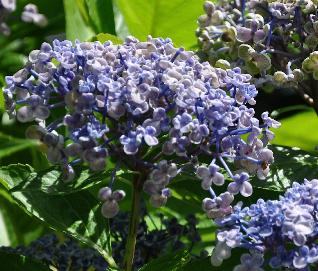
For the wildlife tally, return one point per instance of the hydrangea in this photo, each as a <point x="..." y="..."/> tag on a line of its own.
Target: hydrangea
<point x="142" y="103"/>
<point x="29" y="14"/>
<point x="282" y="231"/>
<point x="275" y="41"/>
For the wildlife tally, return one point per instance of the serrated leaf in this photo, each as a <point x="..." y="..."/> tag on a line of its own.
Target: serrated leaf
<point x="25" y="178"/>
<point x="162" y="18"/>
<point x="169" y="262"/>
<point x="13" y="175"/>
<point x="77" y="214"/>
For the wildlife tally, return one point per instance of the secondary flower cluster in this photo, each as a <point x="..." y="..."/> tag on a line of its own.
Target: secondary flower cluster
<point x="276" y="41"/>
<point x="30" y="14"/>
<point x="142" y="103"/>
<point x="283" y="231"/>
<point x="63" y="256"/>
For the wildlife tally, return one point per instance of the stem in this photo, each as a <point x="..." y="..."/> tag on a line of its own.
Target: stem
<point x="133" y="224"/>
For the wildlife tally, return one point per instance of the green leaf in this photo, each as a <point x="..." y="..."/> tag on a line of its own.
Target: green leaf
<point x="15" y="262"/>
<point x="291" y="165"/>
<point x="13" y="175"/>
<point x="103" y="37"/>
<point x="102" y="15"/>
<point x="170" y="262"/>
<point x="77" y="214"/>
<point x="162" y="18"/>
<point x="299" y="131"/>
<point x="10" y="145"/>
<point x="77" y="21"/>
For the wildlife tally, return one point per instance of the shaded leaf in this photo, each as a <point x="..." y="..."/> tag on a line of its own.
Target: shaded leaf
<point x="169" y="262"/>
<point x="15" y="262"/>
<point x="291" y="165"/>
<point x="10" y="145"/>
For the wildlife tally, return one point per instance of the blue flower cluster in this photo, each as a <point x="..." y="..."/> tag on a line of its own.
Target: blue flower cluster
<point x="30" y="14"/>
<point x="142" y="103"/>
<point x="283" y="231"/>
<point x="63" y="255"/>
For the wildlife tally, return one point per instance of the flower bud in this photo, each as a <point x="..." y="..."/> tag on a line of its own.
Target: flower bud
<point x="104" y="193"/>
<point x="110" y="208"/>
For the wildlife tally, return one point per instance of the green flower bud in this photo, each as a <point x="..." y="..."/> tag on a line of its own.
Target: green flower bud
<point x="298" y="74"/>
<point x="280" y="77"/>
<point x="217" y="17"/>
<point x="229" y="34"/>
<point x="310" y="64"/>
<point x="245" y="52"/>
<point x="262" y="61"/>
<point x="223" y="64"/>
<point x="312" y="41"/>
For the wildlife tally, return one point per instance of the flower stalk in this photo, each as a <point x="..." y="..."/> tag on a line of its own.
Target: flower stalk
<point x="133" y="224"/>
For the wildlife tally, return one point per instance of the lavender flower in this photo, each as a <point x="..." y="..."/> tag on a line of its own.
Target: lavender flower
<point x="284" y="231"/>
<point x="140" y="103"/>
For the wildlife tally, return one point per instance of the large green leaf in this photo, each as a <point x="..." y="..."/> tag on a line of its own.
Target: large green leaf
<point x="300" y="130"/>
<point x="16" y="262"/>
<point x="86" y="18"/>
<point x="162" y="18"/>
<point x="77" y="21"/>
<point x="77" y="214"/>
<point x="102" y="15"/>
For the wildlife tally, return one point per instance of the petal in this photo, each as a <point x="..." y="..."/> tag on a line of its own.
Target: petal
<point x="246" y="189"/>
<point x="233" y="188"/>
<point x="203" y="172"/>
<point x="218" y="179"/>
<point x="150" y="140"/>
<point x="25" y="114"/>
<point x="41" y="112"/>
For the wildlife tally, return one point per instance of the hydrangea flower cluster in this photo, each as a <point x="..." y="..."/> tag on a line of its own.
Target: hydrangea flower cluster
<point x="275" y="41"/>
<point x="62" y="256"/>
<point x="30" y="14"/>
<point x="142" y="103"/>
<point x="284" y="231"/>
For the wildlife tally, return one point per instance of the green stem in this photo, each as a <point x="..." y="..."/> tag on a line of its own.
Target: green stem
<point x="133" y="224"/>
